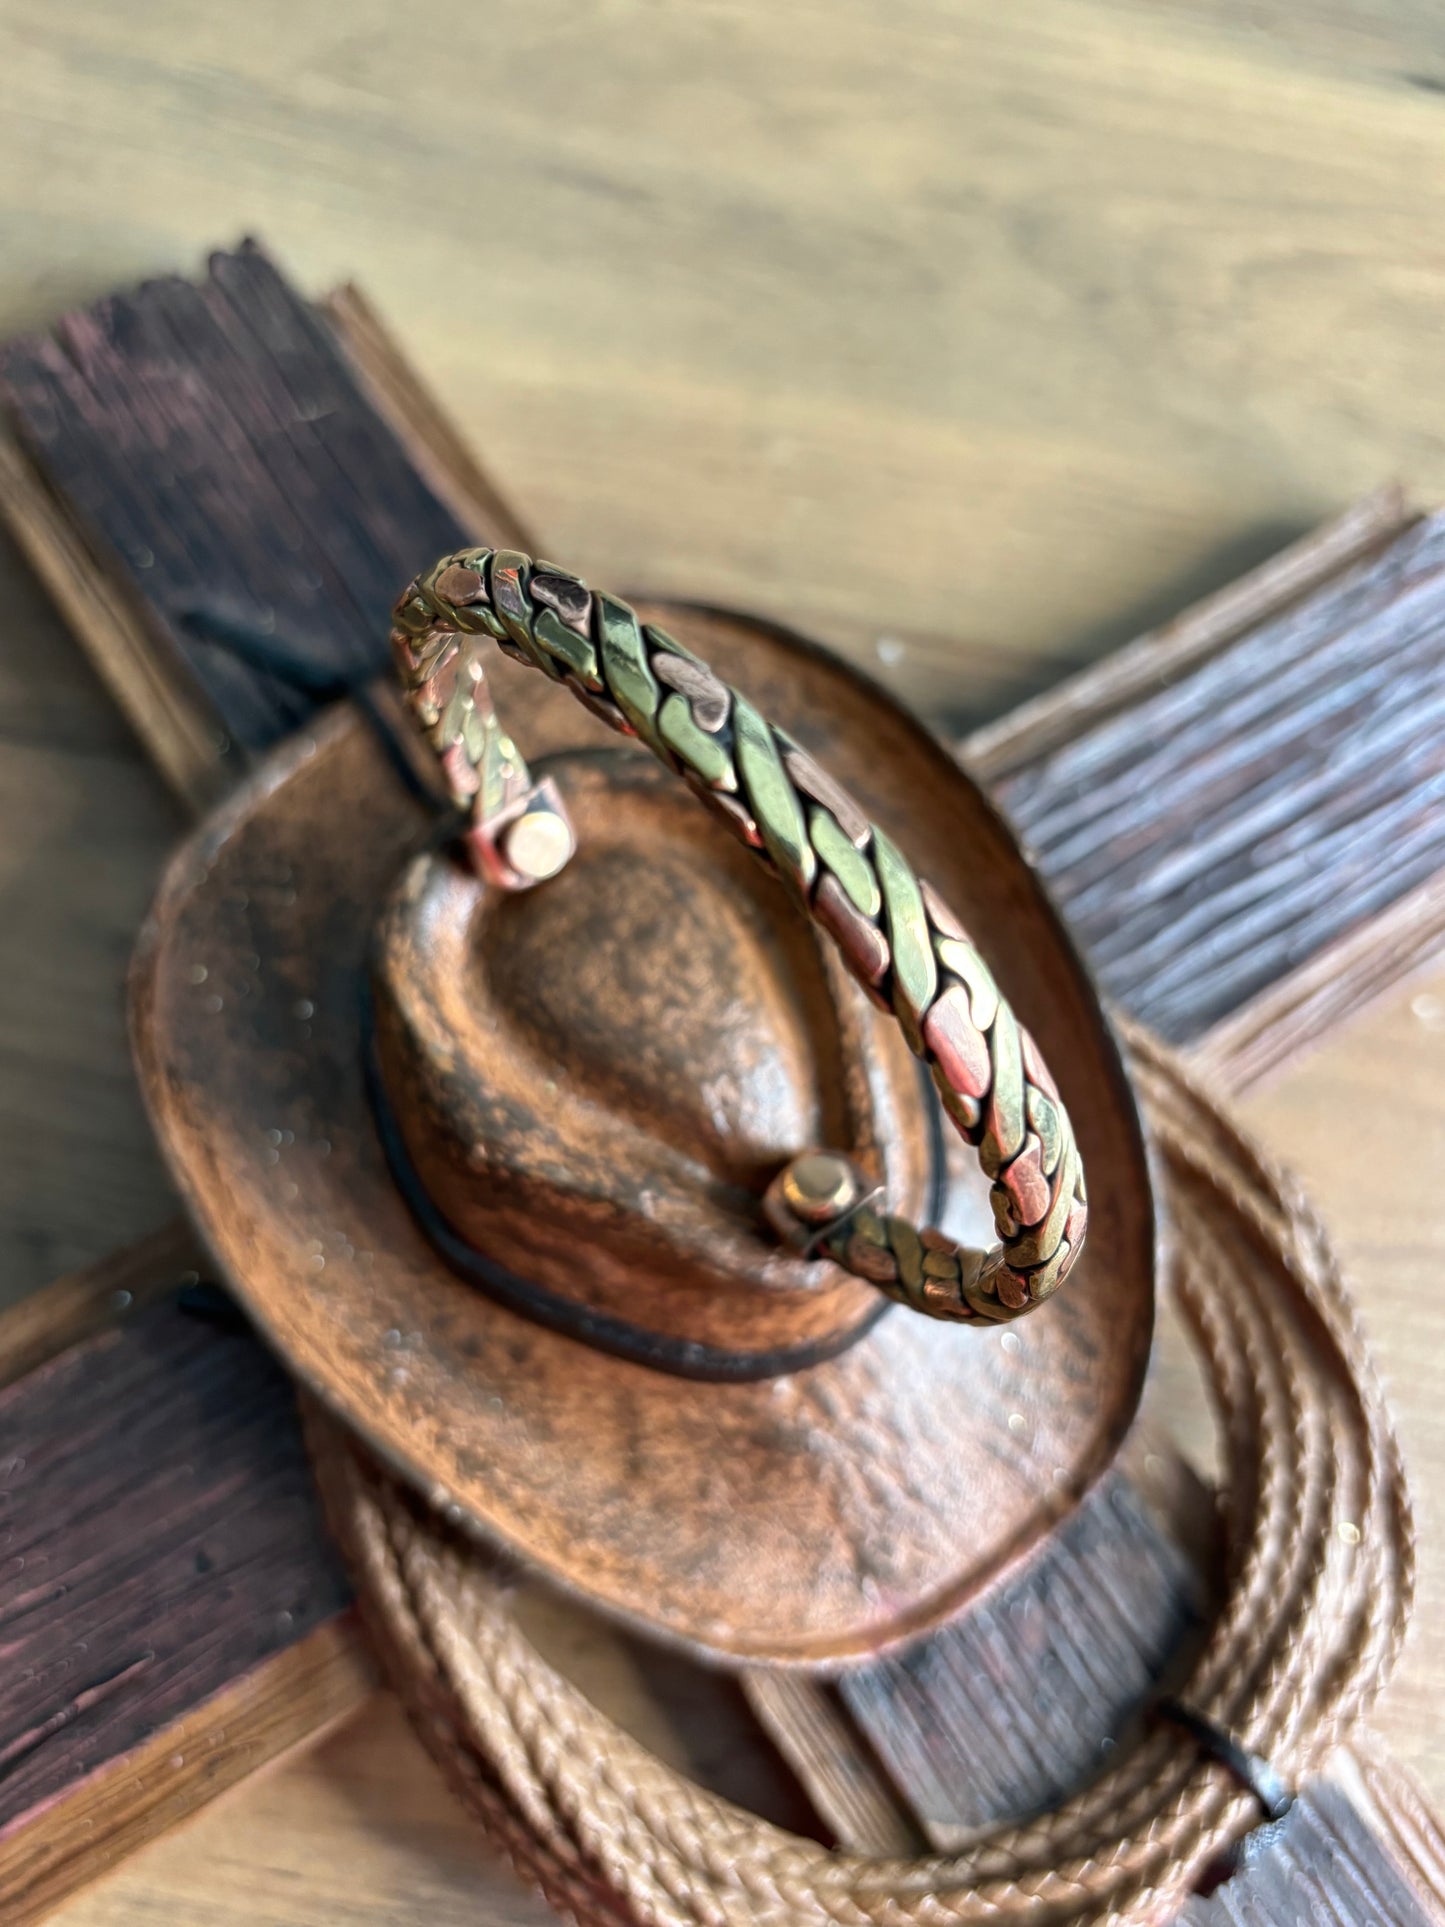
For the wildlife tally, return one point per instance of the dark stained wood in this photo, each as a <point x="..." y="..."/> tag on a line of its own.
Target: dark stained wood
<point x="444" y="461"/>
<point x="170" y="1608"/>
<point x="42" y="523"/>
<point x="1262" y="803"/>
<point x="120" y="1529"/>
<point x="236" y="482"/>
<point x="293" y="1695"/>
<point x="270" y="1685"/>
<point x="1096" y="1625"/>
<point x="1031" y="731"/>
<point x="941" y="1742"/>
<point x="1327" y="1864"/>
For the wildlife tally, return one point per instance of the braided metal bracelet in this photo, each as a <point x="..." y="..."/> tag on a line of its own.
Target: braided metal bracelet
<point x="906" y="948"/>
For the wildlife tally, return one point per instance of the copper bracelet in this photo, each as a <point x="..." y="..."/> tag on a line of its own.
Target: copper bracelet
<point x="906" y="948"/>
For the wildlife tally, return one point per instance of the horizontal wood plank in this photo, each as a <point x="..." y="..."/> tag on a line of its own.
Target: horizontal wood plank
<point x="1196" y="876"/>
<point x="157" y="1460"/>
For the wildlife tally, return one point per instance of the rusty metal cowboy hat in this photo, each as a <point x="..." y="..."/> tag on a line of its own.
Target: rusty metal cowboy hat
<point x="488" y="1167"/>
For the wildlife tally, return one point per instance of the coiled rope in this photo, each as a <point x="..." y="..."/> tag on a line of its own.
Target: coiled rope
<point x="1319" y="1573"/>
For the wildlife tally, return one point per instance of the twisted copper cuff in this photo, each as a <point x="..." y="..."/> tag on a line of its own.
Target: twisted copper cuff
<point x="906" y="948"/>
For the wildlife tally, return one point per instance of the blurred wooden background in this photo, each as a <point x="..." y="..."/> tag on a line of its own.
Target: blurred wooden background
<point x="975" y="338"/>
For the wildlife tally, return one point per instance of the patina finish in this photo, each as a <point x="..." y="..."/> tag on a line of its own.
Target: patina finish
<point x="803" y="1517"/>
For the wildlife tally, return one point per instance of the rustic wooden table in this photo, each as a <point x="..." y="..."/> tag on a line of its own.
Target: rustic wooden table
<point x="1018" y="326"/>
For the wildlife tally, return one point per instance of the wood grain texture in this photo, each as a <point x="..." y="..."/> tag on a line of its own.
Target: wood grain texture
<point x="1309" y="598"/>
<point x="1160" y="268"/>
<point x="275" y="519"/>
<point x="786" y="1517"/>
<point x="1137" y="1640"/>
<point x="158" y="1461"/>
<point x="112" y="1735"/>
<point x="119" y="1719"/>
<point x="362" y="1830"/>
<point x="71" y="399"/>
<point x="1328" y="1863"/>
<point x="1137" y="287"/>
<point x="1195" y="879"/>
<point x="78" y="1306"/>
<point x="358" y="1831"/>
<point x="298" y="1694"/>
<point x="1093" y="1628"/>
<point x="969" y="1754"/>
<point x="1152" y="266"/>
<point x="78" y="1173"/>
<point x="1027" y="734"/>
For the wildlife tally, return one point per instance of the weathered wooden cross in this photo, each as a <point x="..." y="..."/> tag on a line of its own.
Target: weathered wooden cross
<point x="170" y="1592"/>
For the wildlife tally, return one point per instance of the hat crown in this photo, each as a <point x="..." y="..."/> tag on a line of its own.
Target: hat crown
<point x="593" y="1083"/>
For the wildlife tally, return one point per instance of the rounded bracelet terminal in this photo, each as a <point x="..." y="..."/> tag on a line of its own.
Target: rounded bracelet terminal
<point x="907" y="949"/>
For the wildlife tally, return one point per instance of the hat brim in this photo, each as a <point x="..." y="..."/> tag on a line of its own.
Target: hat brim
<point x="808" y="1519"/>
